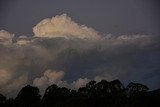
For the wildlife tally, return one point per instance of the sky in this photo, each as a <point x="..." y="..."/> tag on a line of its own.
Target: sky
<point x="107" y="16"/>
<point x="70" y="42"/>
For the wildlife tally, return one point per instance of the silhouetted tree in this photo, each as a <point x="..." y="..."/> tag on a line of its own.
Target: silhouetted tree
<point x="101" y="94"/>
<point x="2" y="100"/>
<point x="153" y="98"/>
<point x="10" y="102"/>
<point x="118" y="94"/>
<point x="117" y="86"/>
<point x="28" y="96"/>
<point x="133" y="88"/>
<point x="102" y="88"/>
<point x="137" y="94"/>
<point x="90" y="84"/>
<point x="55" y="95"/>
<point x="82" y="91"/>
<point x="50" y="93"/>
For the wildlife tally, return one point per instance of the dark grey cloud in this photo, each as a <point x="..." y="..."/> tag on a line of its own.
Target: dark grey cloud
<point x="128" y="58"/>
<point x="71" y="56"/>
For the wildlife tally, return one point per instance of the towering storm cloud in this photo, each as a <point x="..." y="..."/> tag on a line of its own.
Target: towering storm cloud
<point x="63" y="26"/>
<point x="68" y="54"/>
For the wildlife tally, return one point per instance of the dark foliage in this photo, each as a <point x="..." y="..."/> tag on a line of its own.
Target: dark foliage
<point x="28" y="97"/>
<point x="101" y="94"/>
<point x="2" y="100"/>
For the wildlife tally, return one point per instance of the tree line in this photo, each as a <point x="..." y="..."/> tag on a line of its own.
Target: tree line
<point x="94" y="94"/>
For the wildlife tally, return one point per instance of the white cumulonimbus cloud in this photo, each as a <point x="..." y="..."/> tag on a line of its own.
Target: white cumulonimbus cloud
<point x="49" y="77"/>
<point x="81" y="82"/>
<point x="63" y="26"/>
<point x="56" y="77"/>
<point x="5" y="37"/>
<point x="23" y="40"/>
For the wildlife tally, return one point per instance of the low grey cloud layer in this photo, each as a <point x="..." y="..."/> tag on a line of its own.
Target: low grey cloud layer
<point x="69" y="59"/>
